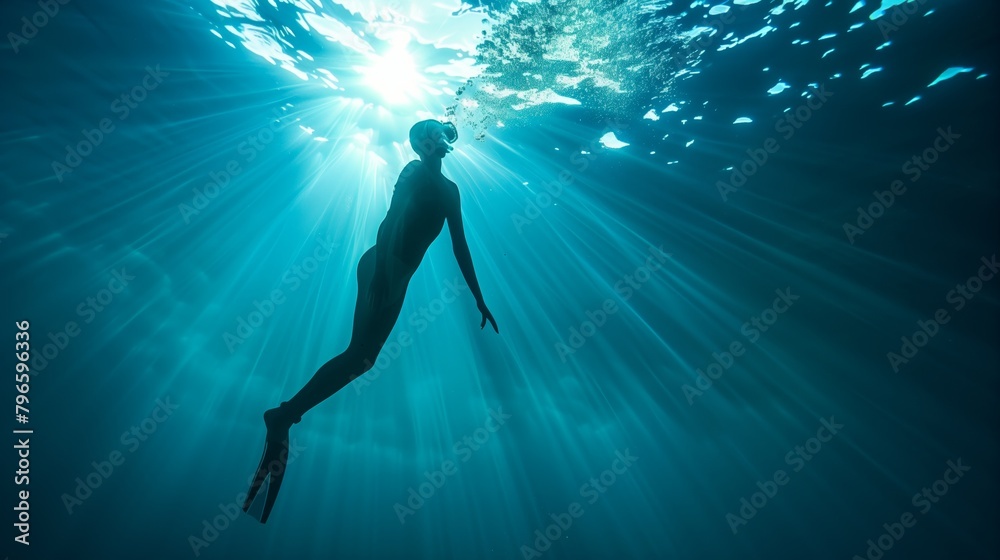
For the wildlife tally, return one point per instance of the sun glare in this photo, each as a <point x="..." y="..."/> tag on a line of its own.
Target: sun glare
<point x="394" y="76"/>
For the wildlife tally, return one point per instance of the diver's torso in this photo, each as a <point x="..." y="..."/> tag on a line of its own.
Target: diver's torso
<point x="416" y="215"/>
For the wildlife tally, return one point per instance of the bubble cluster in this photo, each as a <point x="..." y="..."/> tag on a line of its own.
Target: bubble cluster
<point x="610" y="56"/>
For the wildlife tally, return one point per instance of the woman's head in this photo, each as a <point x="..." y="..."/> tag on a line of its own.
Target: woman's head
<point x="432" y="138"/>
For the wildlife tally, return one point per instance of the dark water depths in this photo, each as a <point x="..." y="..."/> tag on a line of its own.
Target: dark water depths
<point x="618" y="286"/>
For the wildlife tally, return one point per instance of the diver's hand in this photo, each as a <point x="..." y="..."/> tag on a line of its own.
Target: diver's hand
<point x="487" y="316"/>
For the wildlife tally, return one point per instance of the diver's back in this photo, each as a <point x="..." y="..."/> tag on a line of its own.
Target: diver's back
<point x="417" y="212"/>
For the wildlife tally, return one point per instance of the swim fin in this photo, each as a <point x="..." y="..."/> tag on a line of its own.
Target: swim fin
<point x="273" y="460"/>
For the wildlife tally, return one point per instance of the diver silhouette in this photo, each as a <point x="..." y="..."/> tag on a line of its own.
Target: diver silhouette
<point x="421" y="202"/>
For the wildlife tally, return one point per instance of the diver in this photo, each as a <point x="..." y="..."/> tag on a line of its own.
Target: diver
<point x="422" y="200"/>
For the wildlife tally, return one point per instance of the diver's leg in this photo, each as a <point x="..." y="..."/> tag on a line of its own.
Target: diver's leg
<point x="371" y="330"/>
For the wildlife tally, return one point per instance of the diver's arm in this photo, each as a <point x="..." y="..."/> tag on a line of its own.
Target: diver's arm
<point x="461" y="247"/>
<point x="464" y="257"/>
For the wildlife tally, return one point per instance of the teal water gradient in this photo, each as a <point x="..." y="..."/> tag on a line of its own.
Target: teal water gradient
<point x="572" y="416"/>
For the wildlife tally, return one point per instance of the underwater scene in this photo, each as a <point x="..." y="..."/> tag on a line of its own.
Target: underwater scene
<point x="532" y="279"/>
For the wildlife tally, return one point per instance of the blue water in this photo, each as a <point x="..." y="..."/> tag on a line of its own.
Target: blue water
<point x="648" y="203"/>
